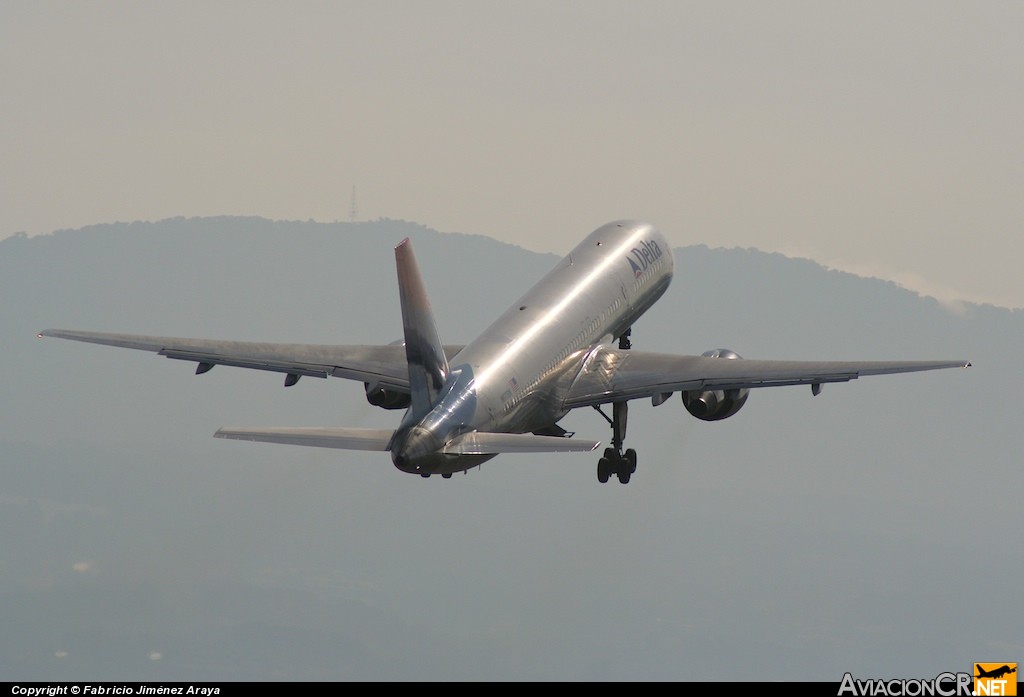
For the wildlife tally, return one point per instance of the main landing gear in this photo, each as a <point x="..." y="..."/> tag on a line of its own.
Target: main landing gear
<point x="615" y="461"/>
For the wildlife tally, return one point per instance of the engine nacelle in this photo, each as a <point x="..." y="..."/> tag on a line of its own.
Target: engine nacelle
<point x="386" y="399"/>
<point x="715" y="405"/>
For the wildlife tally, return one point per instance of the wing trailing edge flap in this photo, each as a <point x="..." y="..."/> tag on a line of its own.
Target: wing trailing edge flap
<point x="483" y="443"/>
<point x="341" y="438"/>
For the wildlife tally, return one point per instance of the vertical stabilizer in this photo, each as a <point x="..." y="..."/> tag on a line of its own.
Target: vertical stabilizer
<point x="428" y="366"/>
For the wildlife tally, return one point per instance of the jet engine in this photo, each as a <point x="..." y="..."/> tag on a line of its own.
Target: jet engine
<point x="386" y="399"/>
<point x="715" y="405"/>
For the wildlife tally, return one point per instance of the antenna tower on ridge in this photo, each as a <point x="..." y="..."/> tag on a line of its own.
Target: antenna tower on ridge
<point x="353" y="212"/>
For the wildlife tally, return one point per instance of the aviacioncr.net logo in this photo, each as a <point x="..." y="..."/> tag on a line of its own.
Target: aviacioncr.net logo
<point x="995" y="679"/>
<point x="943" y="685"/>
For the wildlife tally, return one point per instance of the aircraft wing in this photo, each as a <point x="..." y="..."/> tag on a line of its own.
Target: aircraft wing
<point x="384" y="365"/>
<point x="614" y="375"/>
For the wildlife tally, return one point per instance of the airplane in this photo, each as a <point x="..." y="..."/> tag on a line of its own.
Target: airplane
<point x="996" y="673"/>
<point x="564" y="345"/>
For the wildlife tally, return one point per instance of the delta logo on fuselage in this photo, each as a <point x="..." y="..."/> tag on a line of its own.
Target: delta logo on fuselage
<point x="641" y="257"/>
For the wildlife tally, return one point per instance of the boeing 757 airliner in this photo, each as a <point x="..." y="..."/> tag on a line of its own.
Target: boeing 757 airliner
<point x="563" y="345"/>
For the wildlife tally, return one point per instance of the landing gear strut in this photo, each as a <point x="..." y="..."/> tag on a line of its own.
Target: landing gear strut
<point x="615" y="461"/>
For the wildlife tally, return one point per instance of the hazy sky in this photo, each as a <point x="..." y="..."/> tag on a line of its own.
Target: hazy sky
<point x="883" y="138"/>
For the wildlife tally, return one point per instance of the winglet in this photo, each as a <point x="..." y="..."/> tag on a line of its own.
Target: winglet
<point x="428" y="365"/>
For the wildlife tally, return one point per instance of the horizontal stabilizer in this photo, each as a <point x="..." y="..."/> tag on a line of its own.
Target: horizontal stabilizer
<point x="342" y="438"/>
<point x="482" y="443"/>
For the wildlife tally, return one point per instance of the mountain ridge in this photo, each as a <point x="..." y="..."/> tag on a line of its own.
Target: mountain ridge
<point x="953" y="304"/>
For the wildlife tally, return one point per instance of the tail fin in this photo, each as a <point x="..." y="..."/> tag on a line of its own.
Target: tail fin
<point x="428" y="365"/>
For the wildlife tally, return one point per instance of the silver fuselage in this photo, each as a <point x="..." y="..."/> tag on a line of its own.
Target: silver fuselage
<point x="513" y="378"/>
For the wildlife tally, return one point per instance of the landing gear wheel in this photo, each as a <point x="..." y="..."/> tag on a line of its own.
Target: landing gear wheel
<point x="604" y="470"/>
<point x="447" y="475"/>
<point x="627" y="466"/>
<point x="630" y="458"/>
